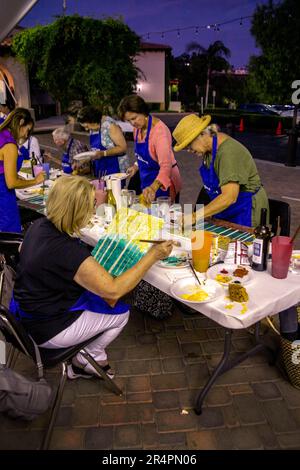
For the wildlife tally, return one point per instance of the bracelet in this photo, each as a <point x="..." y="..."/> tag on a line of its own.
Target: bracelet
<point x="104" y="153"/>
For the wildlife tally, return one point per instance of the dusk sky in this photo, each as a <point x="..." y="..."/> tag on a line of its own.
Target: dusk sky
<point x="145" y="16"/>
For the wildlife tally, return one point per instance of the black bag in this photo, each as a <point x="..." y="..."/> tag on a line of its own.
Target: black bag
<point x="22" y="398"/>
<point x="152" y="301"/>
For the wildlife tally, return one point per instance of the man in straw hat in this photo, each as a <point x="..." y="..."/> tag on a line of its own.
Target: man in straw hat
<point x="228" y="172"/>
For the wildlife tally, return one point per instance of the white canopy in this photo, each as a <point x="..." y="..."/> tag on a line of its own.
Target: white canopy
<point x="11" y="12"/>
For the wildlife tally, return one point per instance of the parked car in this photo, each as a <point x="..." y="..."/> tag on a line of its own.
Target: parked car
<point x="279" y="108"/>
<point x="258" y="108"/>
<point x="290" y="114"/>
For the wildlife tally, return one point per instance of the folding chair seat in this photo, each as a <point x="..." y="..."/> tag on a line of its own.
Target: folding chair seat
<point x="14" y="333"/>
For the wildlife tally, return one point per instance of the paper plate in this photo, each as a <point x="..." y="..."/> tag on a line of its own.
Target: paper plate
<point x="84" y="156"/>
<point x="215" y="272"/>
<point x="119" y="176"/>
<point x="189" y="286"/>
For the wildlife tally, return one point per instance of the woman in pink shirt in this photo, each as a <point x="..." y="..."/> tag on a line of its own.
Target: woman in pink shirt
<point x="156" y="163"/>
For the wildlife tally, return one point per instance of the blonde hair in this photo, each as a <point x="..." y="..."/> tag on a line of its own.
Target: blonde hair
<point x="70" y="203"/>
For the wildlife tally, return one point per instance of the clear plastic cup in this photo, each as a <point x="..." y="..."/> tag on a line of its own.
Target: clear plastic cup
<point x="201" y="245"/>
<point x="46" y="169"/>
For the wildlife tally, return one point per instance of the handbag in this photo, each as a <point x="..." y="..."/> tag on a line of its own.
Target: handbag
<point x="152" y="301"/>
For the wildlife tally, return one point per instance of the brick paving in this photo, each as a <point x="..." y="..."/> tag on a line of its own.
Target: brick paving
<point x="162" y="365"/>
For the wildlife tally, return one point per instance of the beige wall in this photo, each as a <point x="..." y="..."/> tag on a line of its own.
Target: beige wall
<point x="18" y="79"/>
<point x="151" y="86"/>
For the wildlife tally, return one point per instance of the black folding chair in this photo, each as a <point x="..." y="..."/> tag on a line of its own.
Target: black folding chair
<point x="15" y="334"/>
<point x="10" y="243"/>
<point x="280" y="209"/>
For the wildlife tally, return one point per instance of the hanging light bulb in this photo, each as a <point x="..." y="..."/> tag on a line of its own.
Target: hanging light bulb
<point x="208" y="26"/>
<point x="148" y="36"/>
<point x="178" y="33"/>
<point x="241" y="22"/>
<point x="197" y="30"/>
<point x="162" y="35"/>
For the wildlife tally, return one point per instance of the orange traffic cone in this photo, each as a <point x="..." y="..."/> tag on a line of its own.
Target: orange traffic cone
<point x="241" y="126"/>
<point x="279" y="129"/>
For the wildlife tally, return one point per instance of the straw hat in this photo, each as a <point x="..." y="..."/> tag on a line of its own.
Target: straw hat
<point x="188" y="129"/>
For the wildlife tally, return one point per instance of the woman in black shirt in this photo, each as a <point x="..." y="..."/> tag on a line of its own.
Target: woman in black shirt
<point x="63" y="295"/>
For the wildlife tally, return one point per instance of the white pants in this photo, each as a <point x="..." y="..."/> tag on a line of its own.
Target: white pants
<point x="87" y="326"/>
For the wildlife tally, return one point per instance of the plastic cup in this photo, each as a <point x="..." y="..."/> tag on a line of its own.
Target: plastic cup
<point x="37" y="169"/>
<point x="100" y="196"/>
<point x="46" y="169"/>
<point x="201" y="246"/>
<point x="281" y="256"/>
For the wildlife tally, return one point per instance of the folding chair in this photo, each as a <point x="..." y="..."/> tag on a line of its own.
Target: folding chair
<point x="14" y="333"/>
<point x="280" y="209"/>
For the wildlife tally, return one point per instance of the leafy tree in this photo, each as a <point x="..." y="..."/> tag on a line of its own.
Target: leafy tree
<point x="212" y="58"/>
<point x="276" y="28"/>
<point x="77" y="58"/>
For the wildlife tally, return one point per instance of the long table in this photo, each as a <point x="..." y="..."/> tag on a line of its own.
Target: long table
<point x="267" y="297"/>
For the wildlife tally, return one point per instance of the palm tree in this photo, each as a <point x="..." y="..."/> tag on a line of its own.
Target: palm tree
<point x="214" y="58"/>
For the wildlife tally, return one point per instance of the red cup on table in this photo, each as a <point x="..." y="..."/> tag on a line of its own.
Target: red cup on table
<point x="37" y="169"/>
<point x="281" y="256"/>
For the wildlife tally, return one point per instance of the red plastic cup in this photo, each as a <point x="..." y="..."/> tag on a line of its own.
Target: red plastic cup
<point x="281" y="255"/>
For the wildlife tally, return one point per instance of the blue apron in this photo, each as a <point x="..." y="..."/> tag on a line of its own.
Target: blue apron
<point x="65" y="161"/>
<point x="108" y="164"/>
<point x="9" y="212"/>
<point x="87" y="301"/>
<point x="148" y="167"/>
<point x="241" y="211"/>
<point x="25" y="152"/>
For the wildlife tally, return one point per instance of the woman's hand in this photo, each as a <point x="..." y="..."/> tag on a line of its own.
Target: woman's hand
<point x="40" y="178"/>
<point x="163" y="249"/>
<point x="98" y="154"/>
<point x="132" y="170"/>
<point x="149" y="194"/>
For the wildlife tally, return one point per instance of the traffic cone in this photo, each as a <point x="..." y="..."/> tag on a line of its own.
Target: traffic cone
<point x="241" y="126"/>
<point x="279" y="129"/>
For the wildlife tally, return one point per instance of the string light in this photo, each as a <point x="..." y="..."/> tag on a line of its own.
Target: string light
<point x="214" y="26"/>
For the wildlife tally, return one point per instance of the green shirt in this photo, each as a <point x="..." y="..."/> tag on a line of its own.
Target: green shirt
<point x="234" y="163"/>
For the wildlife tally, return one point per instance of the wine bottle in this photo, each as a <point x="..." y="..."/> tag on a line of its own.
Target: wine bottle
<point x="33" y="162"/>
<point x="261" y="241"/>
<point x="111" y="207"/>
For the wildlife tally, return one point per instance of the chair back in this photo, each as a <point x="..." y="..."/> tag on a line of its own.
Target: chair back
<point x="14" y="332"/>
<point x="9" y="246"/>
<point x="280" y="209"/>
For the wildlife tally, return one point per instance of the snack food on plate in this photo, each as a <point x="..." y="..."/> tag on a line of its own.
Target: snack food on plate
<point x="237" y="292"/>
<point x="240" y="271"/>
<point x="196" y="294"/>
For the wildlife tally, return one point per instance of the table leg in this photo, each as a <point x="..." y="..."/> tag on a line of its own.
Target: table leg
<point x="225" y="364"/>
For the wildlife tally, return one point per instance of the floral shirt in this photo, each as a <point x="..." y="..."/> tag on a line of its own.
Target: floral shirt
<point x="108" y="143"/>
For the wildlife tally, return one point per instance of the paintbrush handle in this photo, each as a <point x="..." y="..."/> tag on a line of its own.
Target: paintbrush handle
<point x="295" y="234"/>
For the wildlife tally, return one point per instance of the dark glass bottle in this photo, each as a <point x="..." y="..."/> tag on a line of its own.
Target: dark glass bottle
<point x="33" y="162"/>
<point x="261" y="241"/>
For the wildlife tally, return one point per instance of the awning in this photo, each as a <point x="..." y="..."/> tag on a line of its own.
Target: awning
<point x="11" y="12"/>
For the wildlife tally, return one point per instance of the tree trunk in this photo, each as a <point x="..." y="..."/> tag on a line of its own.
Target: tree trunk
<point x="207" y="87"/>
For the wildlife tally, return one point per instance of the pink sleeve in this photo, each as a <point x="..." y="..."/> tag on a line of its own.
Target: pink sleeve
<point x="161" y="151"/>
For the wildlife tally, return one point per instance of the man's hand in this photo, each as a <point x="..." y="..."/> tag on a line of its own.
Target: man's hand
<point x="98" y="154"/>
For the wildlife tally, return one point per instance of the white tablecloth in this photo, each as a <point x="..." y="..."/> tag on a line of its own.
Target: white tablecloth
<point x="267" y="295"/>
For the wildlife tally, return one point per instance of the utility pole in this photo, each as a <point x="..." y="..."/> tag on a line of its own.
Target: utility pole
<point x="64" y="7"/>
<point x="293" y="141"/>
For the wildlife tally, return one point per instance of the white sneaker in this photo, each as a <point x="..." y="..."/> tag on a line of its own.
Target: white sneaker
<point x="74" y="372"/>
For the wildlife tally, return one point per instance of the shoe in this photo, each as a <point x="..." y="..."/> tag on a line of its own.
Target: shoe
<point x="89" y="371"/>
<point x="74" y="372"/>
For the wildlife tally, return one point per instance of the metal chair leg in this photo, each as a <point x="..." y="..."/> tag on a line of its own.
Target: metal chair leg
<point x="12" y="357"/>
<point x="56" y="407"/>
<point x="110" y="383"/>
